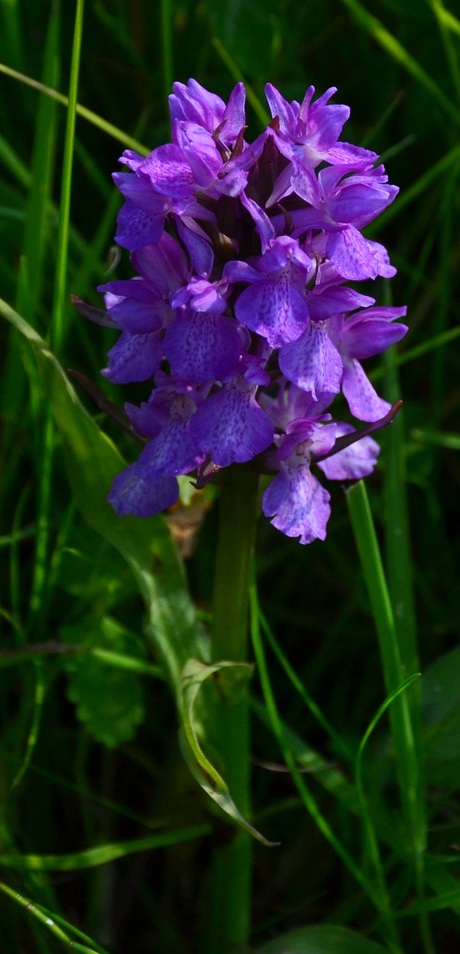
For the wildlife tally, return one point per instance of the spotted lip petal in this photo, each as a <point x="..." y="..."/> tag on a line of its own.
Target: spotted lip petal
<point x="230" y="426"/>
<point x="297" y="504"/>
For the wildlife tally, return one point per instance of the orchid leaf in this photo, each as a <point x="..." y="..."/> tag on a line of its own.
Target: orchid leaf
<point x="194" y="675"/>
<point x="92" y="461"/>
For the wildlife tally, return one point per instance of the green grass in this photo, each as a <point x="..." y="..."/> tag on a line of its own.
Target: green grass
<point x="107" y="839"/>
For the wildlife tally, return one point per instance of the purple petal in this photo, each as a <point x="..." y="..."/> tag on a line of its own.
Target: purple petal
<point x="323" y="122"/>
<point x="134" y="358"/>
<point x="363" y="400"/>
<point x="200" y="151"/>
<point x="136" y="228"/>
<point x="280" y="107"/>
<point x="305" y="184"/>
<point x="353" y="462"/>
<point x="298" y="503"/>
<point x="169" y="172"/>
<point x="345" y="153"/>
<point x="274" y="309"/>
<point x="335" y="300"/>
<point x="197" y="245"/>
<point x="145" y="421"/>
<point x="360" y="203"/>
<point x="312" y="362"/>
<point x="369" y="332"/>
<point x="261" y="220"/>
<point x="163" y="264"/>
<point x="172" y="452"/>
<point x="231" y="427"/>
<point x="138" y="189"/>
<point x="130" y="494"/>
<point x="194" y="103"/>
<point x="356" y="257"/>
<point x="234" y="118"/>
<point x="135" y="307"/>
<point x="202" y="347"/>
<point x="131" y="159"/>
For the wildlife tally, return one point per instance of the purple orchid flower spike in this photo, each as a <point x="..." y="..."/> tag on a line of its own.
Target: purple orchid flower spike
<point x="240" y="315"/>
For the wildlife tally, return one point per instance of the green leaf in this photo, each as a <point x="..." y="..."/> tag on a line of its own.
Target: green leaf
<point x="146" y="544"/>
<point x="194" y="675"/>
<point x="103" y="854"/>
<point x="321" y="939"/>
<point x="109" y="700"/>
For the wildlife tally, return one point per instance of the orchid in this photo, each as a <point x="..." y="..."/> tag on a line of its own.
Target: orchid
<point x="239" y="317"/>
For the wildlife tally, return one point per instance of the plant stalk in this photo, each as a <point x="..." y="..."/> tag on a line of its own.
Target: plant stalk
<point x="228" y="915"/>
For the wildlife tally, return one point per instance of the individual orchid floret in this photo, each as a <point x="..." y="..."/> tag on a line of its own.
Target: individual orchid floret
<point x="274" y="304"/>
<point x="141" y="305"/>
<point x="362" y="335"/>
<point x="295" y="500"/>
<point x="171" y="450"/>
<point x="193" y="103"/>
<point x="201" y="343"/>
<point x="308" y="129"/>
<point x="194" y="164"/>
<point x="230" y="426"/>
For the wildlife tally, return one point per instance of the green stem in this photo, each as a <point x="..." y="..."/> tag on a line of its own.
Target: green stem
<point x="229" y="910"/>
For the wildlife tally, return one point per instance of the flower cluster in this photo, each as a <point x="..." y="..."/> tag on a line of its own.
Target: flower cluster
<point x="240" y="315"/>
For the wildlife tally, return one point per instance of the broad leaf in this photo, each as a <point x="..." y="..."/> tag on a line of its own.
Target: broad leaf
<point x="146" y="544"/>
<point x="109" y="700"/>
<point x="321" y="939"/>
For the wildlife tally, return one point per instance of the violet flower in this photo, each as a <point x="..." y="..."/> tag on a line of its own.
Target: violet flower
<point x="240" y="316"/>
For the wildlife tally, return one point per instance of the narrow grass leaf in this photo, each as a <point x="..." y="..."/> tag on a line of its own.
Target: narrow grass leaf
<point x="39" y="699"/>
<point x="128" y="141"/>
<point x="446" y="17"/>
<point x="391" y="45"/>
<point x="448" y="24"/>
<point x="38" y="219"/>
<point x="372" y="844"/>
<point x="278" y="730"/>
<point x="55" y="924"/>
<point x="394" y="675"/>
<point x="436" y="438"/>
<point x="103" y="854"/>
<point x="309" y="702"/>
<point x="440" y="902"/>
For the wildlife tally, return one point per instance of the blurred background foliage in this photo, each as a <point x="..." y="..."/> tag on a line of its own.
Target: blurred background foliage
<point x="100" y="771"/>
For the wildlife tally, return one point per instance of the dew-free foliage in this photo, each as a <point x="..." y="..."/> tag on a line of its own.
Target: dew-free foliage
<point x="116" y="658"/>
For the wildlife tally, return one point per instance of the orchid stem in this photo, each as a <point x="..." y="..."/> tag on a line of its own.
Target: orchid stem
<point x="229" y="913"/>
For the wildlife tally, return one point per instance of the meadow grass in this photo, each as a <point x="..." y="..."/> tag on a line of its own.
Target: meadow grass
<point x="115" y="831"/>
